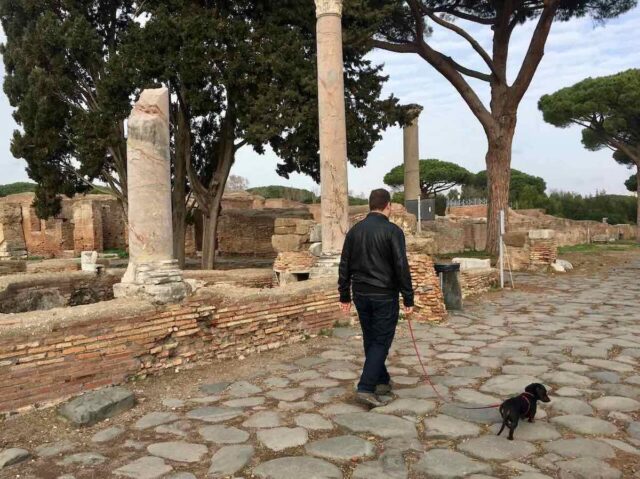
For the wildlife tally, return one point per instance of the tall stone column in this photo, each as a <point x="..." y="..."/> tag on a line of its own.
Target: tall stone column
<point x="412" y="157"/>
<point x="152" y="272"/>
<point x="333" y="132"/>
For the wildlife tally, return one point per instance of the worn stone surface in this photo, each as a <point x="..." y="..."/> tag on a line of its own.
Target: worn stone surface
<point x="214" y="414"/>
<point x="108" y="434"/>
<point x="9" y="457"/>
<point x="223" y="434"/>
<point x="407" y="406"/>
<point x="54" y="448"/>
<point x="84" y="459"/>
<point x="178" y="451"/>
<point x="281" y="438"/>
<point x="154" y="419"/>
<point x="616" y="403"/>
<point x="147" y="467"/>
<point x="580" y="447"/>
<point x="445" y="427"/>
<point x="296" y="468"/>
<point x="95" y="406"/>
<point x="489" y="448"/>
<point x="341" y="448"/>
<point x="446" y="464"/>
<point x="381" y="425"/>
<point x="588" y="468"/>
<point x="586" y="424"/>
<point x="229" y="460"/>
<point x="314" y="422"/>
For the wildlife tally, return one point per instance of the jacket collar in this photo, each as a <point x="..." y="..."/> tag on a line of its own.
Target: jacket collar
<point x="377" y="215"/>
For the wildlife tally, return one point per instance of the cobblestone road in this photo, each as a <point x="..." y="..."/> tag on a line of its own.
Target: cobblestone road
<point x="578" y="335"/>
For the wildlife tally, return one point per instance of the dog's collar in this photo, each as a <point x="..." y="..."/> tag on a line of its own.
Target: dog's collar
<point x="527" y="394"/>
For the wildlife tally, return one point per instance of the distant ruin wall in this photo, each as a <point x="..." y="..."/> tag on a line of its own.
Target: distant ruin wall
<point x="46" y="357"/>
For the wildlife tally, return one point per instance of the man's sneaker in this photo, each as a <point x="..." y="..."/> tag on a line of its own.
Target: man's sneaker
<point x="368" y="399"/>
<point x="383" y="389"/>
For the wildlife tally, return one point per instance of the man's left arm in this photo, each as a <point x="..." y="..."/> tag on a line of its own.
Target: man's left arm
<point x="403" y="273"/>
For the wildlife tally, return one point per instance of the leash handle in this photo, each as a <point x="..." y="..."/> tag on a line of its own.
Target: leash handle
<point x="426" y="375"/>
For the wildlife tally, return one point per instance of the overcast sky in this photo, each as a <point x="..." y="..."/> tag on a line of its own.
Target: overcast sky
<point x="448" y="131"/>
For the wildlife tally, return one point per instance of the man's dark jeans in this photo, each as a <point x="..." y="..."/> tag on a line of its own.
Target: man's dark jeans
<point x="378" y="314"/>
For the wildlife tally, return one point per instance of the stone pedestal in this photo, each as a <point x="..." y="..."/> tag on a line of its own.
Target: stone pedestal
<point x="333" y="134"/>
<point x="326" y="266"/>
<point x="412" y="157"/>
<point x="152" y="272"/>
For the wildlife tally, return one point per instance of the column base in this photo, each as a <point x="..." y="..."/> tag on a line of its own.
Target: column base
<point x="326" y="266"/>
<point x="160" y="282"/>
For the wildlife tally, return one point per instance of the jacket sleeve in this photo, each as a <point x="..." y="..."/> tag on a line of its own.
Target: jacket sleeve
<point x="344" y="271"/>
<point x="401" y="264"/>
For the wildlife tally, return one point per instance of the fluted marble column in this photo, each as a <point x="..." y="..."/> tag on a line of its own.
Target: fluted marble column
<point x="333" y="133"/>
<point x="152" y="271"/>
<point x="412" y="157"/>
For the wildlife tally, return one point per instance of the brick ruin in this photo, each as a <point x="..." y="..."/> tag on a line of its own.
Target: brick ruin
<point x="91" y="222"/>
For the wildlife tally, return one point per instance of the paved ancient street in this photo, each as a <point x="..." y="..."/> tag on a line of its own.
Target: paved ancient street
<point x="578" y="335"/>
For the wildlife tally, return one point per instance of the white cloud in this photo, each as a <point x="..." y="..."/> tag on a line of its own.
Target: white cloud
<point x="575" y="50"/>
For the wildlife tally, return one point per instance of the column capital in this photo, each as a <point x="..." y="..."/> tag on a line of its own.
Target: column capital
<point x="414" y="110"/>
<point x="328" y="7"/>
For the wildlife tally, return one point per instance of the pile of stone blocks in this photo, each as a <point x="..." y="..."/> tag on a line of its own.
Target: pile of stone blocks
<point x="476" y="275"/>
<point x="291" y="266"/>
<point x="533" y="250"/>
<point x="296" y="234"/>
<point x="429" y="300"/>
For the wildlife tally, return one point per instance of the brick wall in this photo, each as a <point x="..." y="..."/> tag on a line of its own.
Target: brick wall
<point x="114" y="225"/>
<point x="428" y="295"/>
<point x="87" y="222"/>
<point x="46" y="357"/>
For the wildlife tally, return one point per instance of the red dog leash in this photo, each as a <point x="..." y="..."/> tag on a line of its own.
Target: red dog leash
<point x="426" y="375"/>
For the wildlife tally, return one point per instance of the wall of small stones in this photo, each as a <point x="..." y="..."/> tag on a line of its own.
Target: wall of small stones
<point x="429" y="300"/>
<point x="46" y="357"/>
<point x="478" y="281"/>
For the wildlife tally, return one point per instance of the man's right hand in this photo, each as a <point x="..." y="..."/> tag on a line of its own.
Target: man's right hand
<point x="408" y="310"/>
<point x="345" y="307"/>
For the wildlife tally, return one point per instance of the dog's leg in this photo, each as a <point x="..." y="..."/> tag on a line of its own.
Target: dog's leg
<point x="512" y="427"/>
<point x="504" y="423"/>
<point x="532" y="413"/>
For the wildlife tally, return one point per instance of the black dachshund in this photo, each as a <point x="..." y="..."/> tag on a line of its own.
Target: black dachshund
<point x="523" y="406"/>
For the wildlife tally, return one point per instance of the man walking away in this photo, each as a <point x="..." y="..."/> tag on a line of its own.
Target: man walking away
<point x="374" y="264"/>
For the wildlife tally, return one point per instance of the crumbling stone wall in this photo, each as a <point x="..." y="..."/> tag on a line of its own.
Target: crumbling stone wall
<point x="34" y="292"/>
<point x="248" y="232"/>
<point x="45" y="357"/>
<point x="533" y="250"/>
<point x="12" y="243"/>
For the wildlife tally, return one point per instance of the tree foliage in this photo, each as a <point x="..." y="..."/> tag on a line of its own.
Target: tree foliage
<point x="632" y="183"/>
<point x="608" y="110"/>
<point x="286" y="192"/>
<point x="15" y="188"/>
<point x="407" y="26"/>
<point x="68" y="100"/>
<point x="525" y="190"/>
<point x="435" y="176"/>
<point x="616" y="208"/>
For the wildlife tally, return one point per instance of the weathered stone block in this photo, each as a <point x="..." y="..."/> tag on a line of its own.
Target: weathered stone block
<point x="541" y="234"/>
<point x="95" y="406"/>
<point x="289" y="242"/>
<point x="315" y="234"/>
<point x="516" y="239"/>
<point x="472" y="263"/>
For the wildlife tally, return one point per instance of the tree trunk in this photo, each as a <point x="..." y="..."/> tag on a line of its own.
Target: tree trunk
<point x="179" y="193"/>
<point x="214" y="203"/>
<point x="498" y="162"/>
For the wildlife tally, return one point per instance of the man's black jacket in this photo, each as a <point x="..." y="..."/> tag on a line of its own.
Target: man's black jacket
<point x="374" y="259"/>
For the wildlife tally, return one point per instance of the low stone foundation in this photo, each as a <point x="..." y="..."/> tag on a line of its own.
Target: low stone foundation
<point x="35" y="292"/>
<point x="46" y="357"/>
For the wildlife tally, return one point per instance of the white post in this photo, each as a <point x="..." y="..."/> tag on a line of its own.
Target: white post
<point x="501" y="249"/>
<point x="419" y="214"/>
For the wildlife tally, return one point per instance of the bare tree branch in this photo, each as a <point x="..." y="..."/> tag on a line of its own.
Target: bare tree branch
<point x="476" y="46"/>
<point x="395" y="47"/>
<point x="535" y="52"/>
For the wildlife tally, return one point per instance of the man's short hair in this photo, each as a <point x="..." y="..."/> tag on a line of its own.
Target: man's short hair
<point x="379" y="199"/>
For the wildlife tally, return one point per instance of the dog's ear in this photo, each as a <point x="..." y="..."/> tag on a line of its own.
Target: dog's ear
<point x="532" y="388"/>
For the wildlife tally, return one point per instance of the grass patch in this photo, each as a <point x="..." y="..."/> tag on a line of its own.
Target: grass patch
<point x="595" y="248"/>
<point x="35" y="258"/>
<point x="122" y="254"/>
